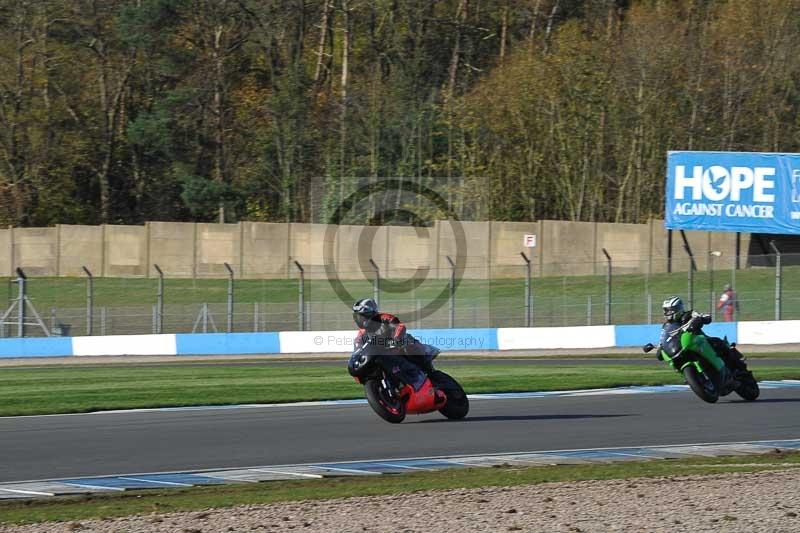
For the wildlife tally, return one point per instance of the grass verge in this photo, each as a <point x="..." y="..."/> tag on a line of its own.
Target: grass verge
<point x="164" y="501"/>
<point x="75" y="389"/>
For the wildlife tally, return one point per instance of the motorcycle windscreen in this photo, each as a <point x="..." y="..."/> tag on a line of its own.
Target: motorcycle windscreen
<point x="671" y="338"/>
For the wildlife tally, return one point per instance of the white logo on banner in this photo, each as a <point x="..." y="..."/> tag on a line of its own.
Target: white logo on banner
<point x="721" y="184"/>
<point x="796" y="186"/>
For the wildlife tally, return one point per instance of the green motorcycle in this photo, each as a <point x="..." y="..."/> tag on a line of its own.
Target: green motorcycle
<point x="691" y="353"/>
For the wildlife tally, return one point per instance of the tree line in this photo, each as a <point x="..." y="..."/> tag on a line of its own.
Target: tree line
<point x="122" y="111"/>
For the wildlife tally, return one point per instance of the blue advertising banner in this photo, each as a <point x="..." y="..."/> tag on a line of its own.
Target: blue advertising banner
<point x="733" y="191"/>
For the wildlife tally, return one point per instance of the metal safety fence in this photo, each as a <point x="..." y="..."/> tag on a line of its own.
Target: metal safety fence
<point x="513" y="295"/>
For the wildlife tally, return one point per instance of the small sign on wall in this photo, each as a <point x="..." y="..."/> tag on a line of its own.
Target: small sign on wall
<point x="529" y="240"/>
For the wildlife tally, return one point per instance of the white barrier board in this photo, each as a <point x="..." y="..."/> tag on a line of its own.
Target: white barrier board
<point x="555" y="338"/>
<point x="125" y="345"/>
<point x="316" y="341"/>
<point x="769" y="332"/>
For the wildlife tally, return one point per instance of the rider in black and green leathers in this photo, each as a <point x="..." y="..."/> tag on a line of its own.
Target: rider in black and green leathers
<point x="712" y="349"/>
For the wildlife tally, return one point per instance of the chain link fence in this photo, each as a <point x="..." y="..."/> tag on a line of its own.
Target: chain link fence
<point x="765" y="287"/>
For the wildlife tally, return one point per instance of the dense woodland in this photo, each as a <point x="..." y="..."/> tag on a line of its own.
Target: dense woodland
<point x="122" y="111"/>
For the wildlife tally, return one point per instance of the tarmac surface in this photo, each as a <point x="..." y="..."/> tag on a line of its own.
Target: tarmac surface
<point x="129" y="442"/>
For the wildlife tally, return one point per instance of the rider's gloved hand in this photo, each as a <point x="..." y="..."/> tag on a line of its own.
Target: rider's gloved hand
<point x="705" y="318"/>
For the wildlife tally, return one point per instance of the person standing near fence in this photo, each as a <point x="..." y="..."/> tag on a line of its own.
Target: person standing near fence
<point x="727" y="303"/>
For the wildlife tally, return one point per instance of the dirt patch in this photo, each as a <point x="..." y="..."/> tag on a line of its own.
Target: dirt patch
<point x="767" y="501"/>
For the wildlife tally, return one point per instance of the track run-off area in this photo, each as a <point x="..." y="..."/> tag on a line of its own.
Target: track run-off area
<point x="205" y="438"/>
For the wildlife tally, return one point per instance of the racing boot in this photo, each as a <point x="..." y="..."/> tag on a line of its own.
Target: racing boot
<point x="727" y="380"/>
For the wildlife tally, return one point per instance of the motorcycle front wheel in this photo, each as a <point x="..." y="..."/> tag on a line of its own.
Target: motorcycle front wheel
<point x="390" y="409"/>
<point x="703" y="388"/>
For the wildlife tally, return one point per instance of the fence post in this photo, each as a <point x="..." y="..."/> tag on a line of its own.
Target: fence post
<point x="649" y="308"/>
<point x="778" y="275"/>
<point x="230" y="297"/>
<point x="21" y="279"/>
<point x="89" y="300"/>
<point x="452" y="318"/>
<point x="255" y="317"/>
<point x="589" y="310"/>
<point x="608" y="288"/>
<point x="712" y="308"/>
<point x="302" y="297"/>
<point x="102" y="320"/>
<point x="528" y="301"/>
<point x="160" y="301"/>
<point x="692" y="268"/>
<point x="376" y="283"/>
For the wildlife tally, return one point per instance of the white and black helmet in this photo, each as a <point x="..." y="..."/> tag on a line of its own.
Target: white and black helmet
<point x="363" y="311"/>
<point x="673" y="308"/>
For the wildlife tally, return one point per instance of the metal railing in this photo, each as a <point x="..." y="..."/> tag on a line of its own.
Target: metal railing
<point x="516" y="294"/>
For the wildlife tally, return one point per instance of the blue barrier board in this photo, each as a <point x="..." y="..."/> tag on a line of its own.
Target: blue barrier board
<point x="226" y="343"/>
<point x="36" y="347"/>
<point x="626" y="336"/>
<point x="733" y="191"/>
<point x="458" y="339"/>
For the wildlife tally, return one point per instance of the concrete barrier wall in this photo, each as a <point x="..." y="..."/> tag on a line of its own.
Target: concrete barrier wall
<point x="627" y="244"/>
<point x="567" y="248"/>
<point x="310" y="342"/>
<point x="80" y="246"/>
<point x="506" y="241"/>
<point x="126" y="251"/>
<point x="173" y="247"/>
<point x="476" y="238"/>
<point x="217" y="244"/>
<point x="407" y="251"/>
<point x="267" y="250"/>
<point x="6" y="252"/>
<point x="36" y="251"/>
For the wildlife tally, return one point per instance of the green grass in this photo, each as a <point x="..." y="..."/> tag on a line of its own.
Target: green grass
<point x="163" y="501"/>
<point x="84" y="388"/>
<point x="558" y="300"/>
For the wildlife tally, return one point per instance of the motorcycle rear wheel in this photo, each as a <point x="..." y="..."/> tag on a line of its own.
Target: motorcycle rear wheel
<point x="748" y="390"/>
<point x="457" y="405"/>
<point x="391" y="410"/>
<point x="706" y="390"/>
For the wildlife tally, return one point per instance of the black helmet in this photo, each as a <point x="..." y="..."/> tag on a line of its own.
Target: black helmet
<point x="673" y="309"/>
<point x="363" y="311"/>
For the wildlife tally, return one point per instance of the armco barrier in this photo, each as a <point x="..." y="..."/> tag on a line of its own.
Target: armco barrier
<point x="295" y="342"/>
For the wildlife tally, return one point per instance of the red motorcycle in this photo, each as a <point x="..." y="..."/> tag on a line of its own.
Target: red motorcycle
<point x="395" y="387"/>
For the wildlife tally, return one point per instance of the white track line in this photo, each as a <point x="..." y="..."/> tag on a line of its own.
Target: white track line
<point x="153" y="481"/>
<point x="31" y="492"/>
<point x="299" y="474"/>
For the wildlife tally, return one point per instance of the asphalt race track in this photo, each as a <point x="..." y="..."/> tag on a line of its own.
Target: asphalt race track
<point x="58" y="446"/>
